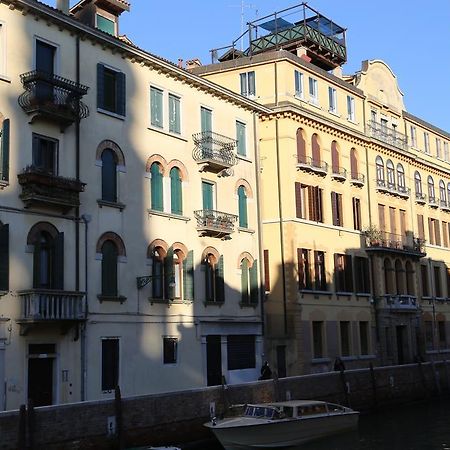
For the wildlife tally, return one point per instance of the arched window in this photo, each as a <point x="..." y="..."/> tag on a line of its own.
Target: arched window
<point x="354" y="164"/>
<point x="156" y="187"/>
<point x="399" y="277"/>
<point x="448" y="197"/>
<point x="249" y="282"/>
<point x="109" y="176"/>
<point x="315" y="149"/>
<point x="335" y="157"/>
<point x="442" y="193"/>
<point x="242" y="199"/>
<point x="301" y="146"/>
<point x="401" y="177"/>
<point x="380" y="170"/>
<point x="388" y="277"/>
<point x="431" y="188"/>
<point x="214" y="277"/>
<point x="418" y="183"/>
<point x="176" y="194"/>
<point x="390" y="173"/>
<point x="157" y="261"/>
<point x="110" y="255"/>
<point x="410" y="279"/>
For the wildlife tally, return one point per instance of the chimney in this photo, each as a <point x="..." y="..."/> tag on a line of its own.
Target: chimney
<point x="193" y="63"/>
<point x="180" y="63"/>
<point x="63" y="6"/>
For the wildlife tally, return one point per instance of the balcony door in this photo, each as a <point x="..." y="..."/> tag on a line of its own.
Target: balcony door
<point x="206" y="126"/>
<point x="208" y="195"/>
<point x="45" y="62"/>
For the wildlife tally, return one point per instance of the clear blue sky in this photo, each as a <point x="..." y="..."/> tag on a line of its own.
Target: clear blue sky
<point x="411" y="36"/>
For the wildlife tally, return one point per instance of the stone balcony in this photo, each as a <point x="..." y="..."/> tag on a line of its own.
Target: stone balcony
<point x="215" y="223"/>
<point x="393" y="189"/>
<point x="339" y="173"/>
<point x="398" y="303"/>
<point x="309" y="164"/>
<point x="357" y="179"/>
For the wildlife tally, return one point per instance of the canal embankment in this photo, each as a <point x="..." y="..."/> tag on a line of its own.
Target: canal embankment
<point x="178" y="416"/>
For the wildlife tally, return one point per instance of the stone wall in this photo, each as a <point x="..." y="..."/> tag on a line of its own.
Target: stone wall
<point x="178" y="417"/>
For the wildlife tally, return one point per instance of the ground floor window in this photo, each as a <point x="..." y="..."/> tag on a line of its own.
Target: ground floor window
<point x="170" y="350"/>
<point x="241" y="352"/>
<point x="110" y="363"/>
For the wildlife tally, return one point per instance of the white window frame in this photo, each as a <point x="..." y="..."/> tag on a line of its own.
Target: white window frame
<point x="332" y="99"/>
<point x="163" y="119"/>
<point x="57" y="60"/>
<point x="245" y="139"/>
<point x="446" y="154"/>
<point x="438" y="148"/>
<point x="426" y="141"/>
<point x="351" y="116"/>
<point x="313" y="91"/>
<point x="413" y="134"/>
<point x="107" y="18"/>
<point x="173" y="94"/>
<point x="298" y="84"/>
<point x="247" y="92"/>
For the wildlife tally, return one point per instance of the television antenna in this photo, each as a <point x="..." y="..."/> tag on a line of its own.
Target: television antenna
<point x="243" y="6"/>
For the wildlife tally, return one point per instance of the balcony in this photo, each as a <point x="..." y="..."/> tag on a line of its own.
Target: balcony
<point x="433" y="202"/>
<point x="339" y="173"/>
<point x="393" y="189"/>
<point x="398" y="303"/>
<point x="421" y="198"/>
<point x="52" y="98"/>
<point x="387" y="135"/>
<point x="214" y="152"/>
<point x="45" y="306"/>
<point x="43" y="189"/>
<point x="382" y="241"/>
<point x="357" y="179"/>
<point x="215" y="223"/>
<point x="444" y="205"/>
<point x="309" y="164"/>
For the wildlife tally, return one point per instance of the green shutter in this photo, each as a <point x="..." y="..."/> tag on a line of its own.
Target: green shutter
<point x="244" y="282"/>
<point x="220" y="281"/>
<point x="243" y="222"/>
<point x="4" y="257"/>
<point x="106" y="25"/>
<point x="254" y="283"/>
<point x="174" y="114"/>
<point x="121" y="93"/>
<point x="176" y="191"/>
<point x="58" y="266"/>
<point x="188" y="276"/>
<point x="241" y="138"/>
<point x="156" y="111"/>
<point x="4" y="150"/>
<point x="206" y="119"/>
<point x="100" y="86"/>
<point x="157" y="188"/>
<point x="169" y="275"/>
<point x="207" y="193"/>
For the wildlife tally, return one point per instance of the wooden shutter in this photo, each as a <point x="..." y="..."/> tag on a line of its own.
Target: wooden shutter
<point x="242" y="198"/>
<point x="58" y="266"/>
<point x="176" y="200"/>
<point x="254" y="283"/>
<point x="392" y="222"/>
<point x="315" y="150"/>
<point x="266" y="271"/>
<point x="431" y="230"/>
<point x="334" y="157"/>
<point x="301" y="269"/>
<point x="319" y="211"/>
<point x="337" y="273"/>
<point x="244" y="282"/>
<point x="420" y="226"/>
<point x="334" y="208"/>
<point x="311" y="209"/>
<point x="437" y="232"/>
<point x="4" y="168"/>
<point x="169" y="275"/>
<point x="4" y="257"/>
<point x="298" y="200"/>
<point x="301" y="147"/>
<point x="353" y="163"/>
<point x="348" y="273"/>
<point x="100" y="86"/>
<point x="188" y="276"/>
<point x="220" y="283"/>
<point x="157" y="188"/>
<point x="121" y="93"/>
<point x="381" y="217"/>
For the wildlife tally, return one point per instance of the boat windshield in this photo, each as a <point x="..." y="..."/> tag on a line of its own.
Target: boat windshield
<point x="262" y="412"/>
<point x="308" y="410"/>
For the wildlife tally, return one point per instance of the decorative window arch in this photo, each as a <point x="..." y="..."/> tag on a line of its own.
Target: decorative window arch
<point x="442" y="193"/>
<point x="379" y="169"/>
<point x="315" y="150"/>
<point x="242" y="203"/>
<point x="335" y="163"/>
<point x="401" y="182"/>
<point x="354" y="163"/>
<point x="109" y="175"/>
<point x="431" y="193"/>
<point x="301" y="146"/>
<point x="213" y="265"/>
<point x="156" y="185"/>
<point x="176" y="192"/>
<point x="249" y="279"/>
<point x="418" y="182"/>
<point x="390" y="173"/>
<point x="112" y="146"/>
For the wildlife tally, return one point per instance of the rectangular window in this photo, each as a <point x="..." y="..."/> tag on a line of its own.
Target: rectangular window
<point x="362" y="278"/>
<point x="373" y="116"/>
<point x="446" y="154"/>
<point x="438" y="148"/>
<point x="317" y="331"/>
<point x="156" y="107"/>
<point x="241" y="137"/>
<point x="442" y="335"/>
<point x="437" y="281"/>
<point x="174" y="114"/>
<point x="301" y="200"/>
<point x="111" y="90"/>
<point x="351" y="108"/>
<point x="332" y="100"/>
<point x="110" y="364"/>
<point x="420" y="226"/>
<point x="356" y="213"/>
<point x="429" y="334"/>
<point x="170" y="350"/>
<point x="45" y="154"/>
<point x="364" y="338"/>
<point x="248" y="88"/>
<point x="315" y="204"/>
<point x="313" y="92"/>
<point x="298" y="84"/>
<point x="320" y="280"/>
<point x="445" y="233"/>
<point x="382" y="217"/>
<point x="106" y="25"/>
<point x="304" y="270"/>
<point x="241" y="352"/>
<point x="426" y="142"/>
<point x="336" y="209"/>
<point x="431" y="229"/>
<point x="392" y="221"/>
<point x="343" y="274"/>
<point x="424" y="279"/>
<point x="344" y="331"/>
<point x="437" y="232"/>
<point x="413" y="136"/>
<point x="4" y="150"/>
<point x="208" y="195"/>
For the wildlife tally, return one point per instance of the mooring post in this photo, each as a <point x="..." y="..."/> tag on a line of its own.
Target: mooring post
<point x="22" y="437"/>
<point x="30" y="424"/>
<point x="374" y="386"/>
<point x="119" y="418"/>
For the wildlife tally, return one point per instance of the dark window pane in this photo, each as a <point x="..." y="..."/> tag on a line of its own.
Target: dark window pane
<point x="110" y="90"/>
<point x="170" y="350"/>
<point x="110" y="364"/>
<point x="109" y="269"/>
<point x="241" y="352"/>
<point x="109" y="176"/>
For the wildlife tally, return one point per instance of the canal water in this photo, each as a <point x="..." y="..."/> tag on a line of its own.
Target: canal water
<point x="419" y="426"/>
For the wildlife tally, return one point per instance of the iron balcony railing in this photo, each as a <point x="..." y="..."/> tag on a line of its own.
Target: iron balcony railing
<point x="444" y="205"/>
<point x="214" y="150"/>
<point x="357" y="178"/>
<point x="53" y="96"/>
<point x="314" y="165"/>
<point x="387" y="135"/>
<point x="386" y="240"/>
<point x="214" y="222"/>
<point x="400" y="302"/>
<point x="433" y="202"/>
<point x="392" y="188"/>
<point x="421" y="197"/>
<point x="339" y="173"/>
<point x="52" y="305"/>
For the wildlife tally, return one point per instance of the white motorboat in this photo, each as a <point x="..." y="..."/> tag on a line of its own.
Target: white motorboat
<point x="282" y="424"/>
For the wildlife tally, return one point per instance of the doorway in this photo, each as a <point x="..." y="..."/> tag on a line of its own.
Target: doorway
<point x="213" y="360"/>
<point x="41" y="359"/>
